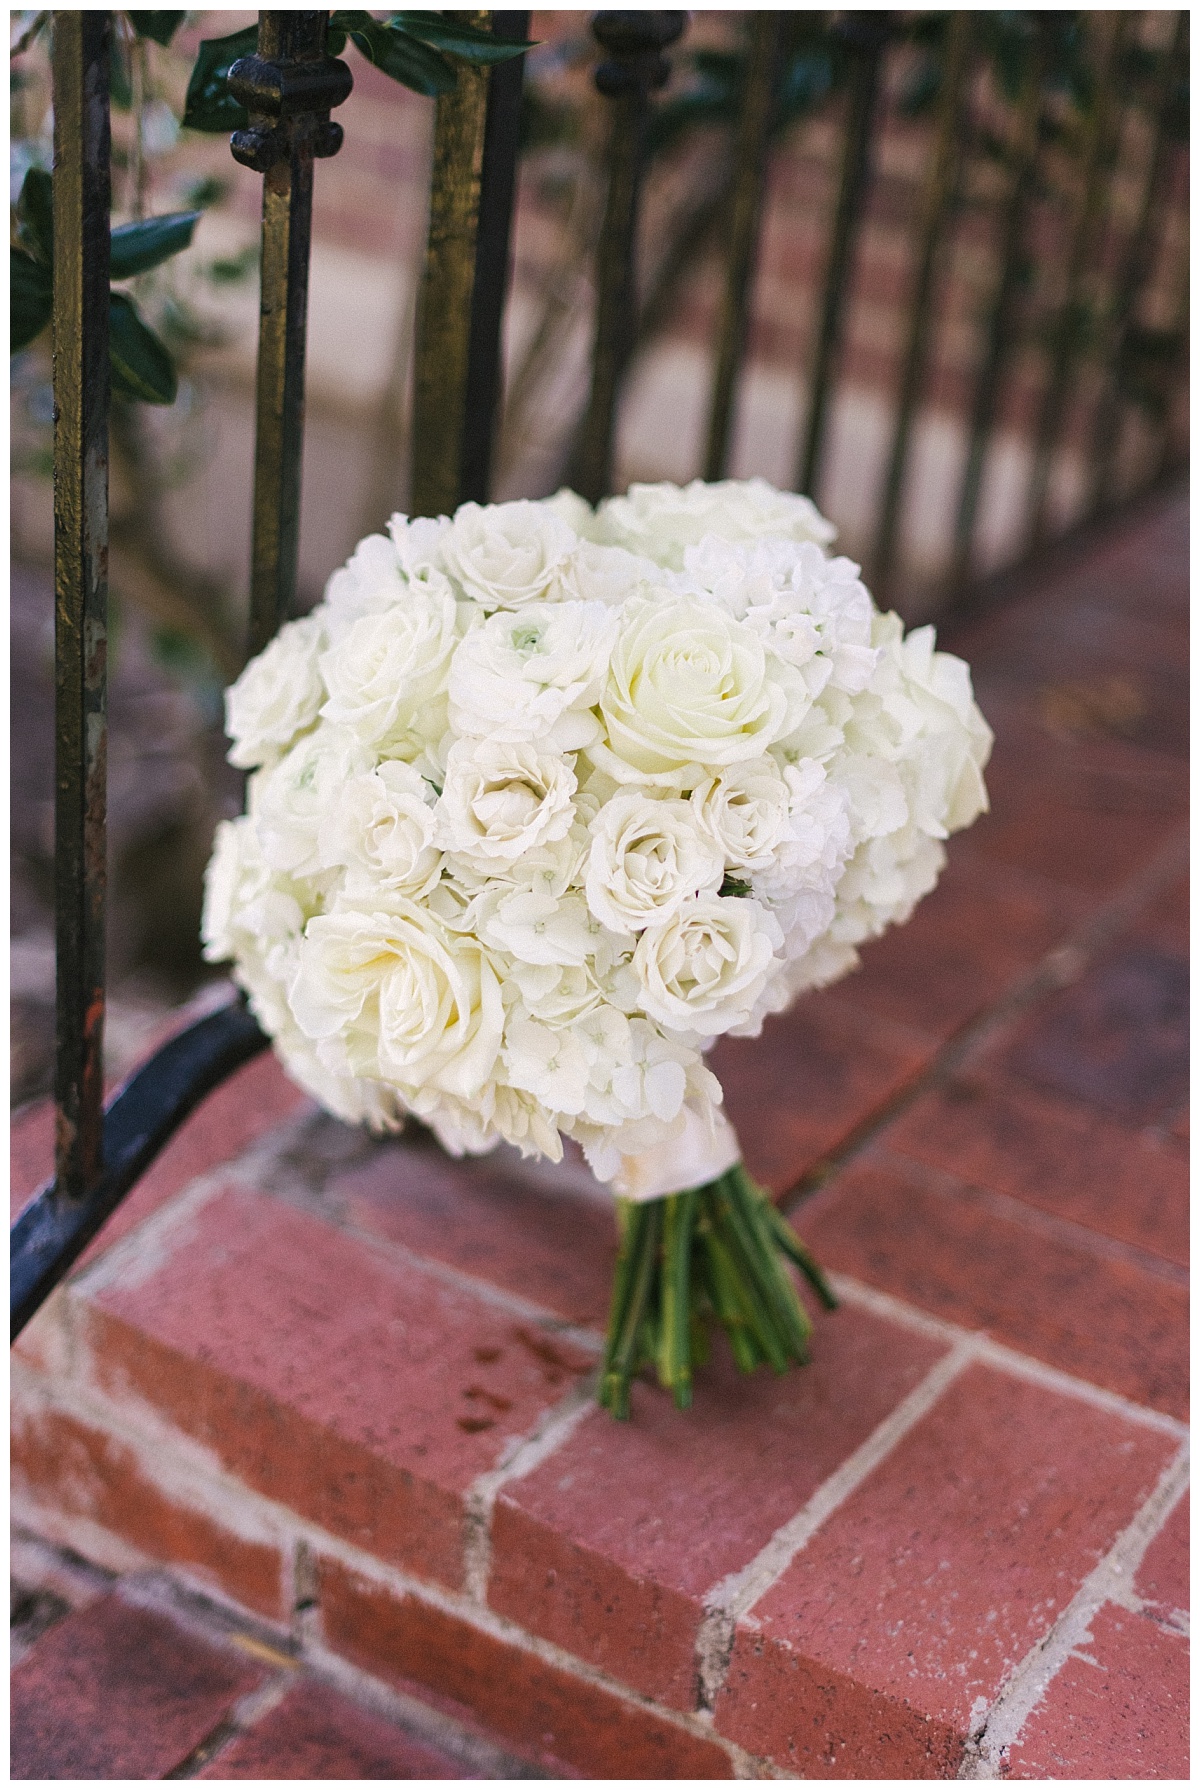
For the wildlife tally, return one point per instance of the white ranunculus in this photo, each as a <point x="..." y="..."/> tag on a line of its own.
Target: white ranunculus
<point x="662" y="521"/>
<point x="533" y="673"/>
<point x="744" y="812"/>
<point x="288" y="801"/>
<point x="687" y="691"/>
<point x="388" y="672"/>
<point x="277" y="696"/>
<point x="608" y="575"/>
<point x="501" y="801"/>
<point x="418" y="543"/>
<point x="505" y="555"/>
<point x="382" y="831"/>
<point x="647" y="857"/>
<point x="417" y="1005"/>
<point x="703" y="971"/>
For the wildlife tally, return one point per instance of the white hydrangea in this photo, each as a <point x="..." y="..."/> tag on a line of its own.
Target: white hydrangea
<point x="545" y="799"/>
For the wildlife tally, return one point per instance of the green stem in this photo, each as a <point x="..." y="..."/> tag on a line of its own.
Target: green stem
<point x="803" y="1257"/>
<point x="674" y="1352"/>
<point x="631" y="1294"/>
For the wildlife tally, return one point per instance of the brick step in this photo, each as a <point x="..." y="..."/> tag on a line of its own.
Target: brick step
<point x="300" y="1387"/>
<point x="137" y="1677"/>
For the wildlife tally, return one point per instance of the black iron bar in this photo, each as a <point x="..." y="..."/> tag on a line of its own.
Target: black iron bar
<point x="865" y="34"/>
<point x="1000" y="328"/>
<point x="745" y="223"/>
<point x="938" y="202"/>
<point x="634" y="66"/>
<point x="288" y="87"/>
<point x="1112" y="28"/>
<point x="442" y="352"/>
<point x="1136" y="265"/>
<point x="51" y="1233"/>
<point x="501" y="136"/>
<point x="81" y="398"/>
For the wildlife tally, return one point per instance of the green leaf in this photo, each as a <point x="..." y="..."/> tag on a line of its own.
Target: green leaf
<point x="159" y="27"/>
<point x="734" y="885"/>
<point x="35" y="216"/>
<point x="467" y="42"/>
<point x="141" y="366"/>
<point x="31" y="298"/>
<point x="209" y="105"/>
<point x="401" y="57"/>
<point x="138" y="247"/>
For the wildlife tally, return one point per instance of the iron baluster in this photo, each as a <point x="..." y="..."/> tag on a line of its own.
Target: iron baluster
<point x="1000" y="321"/>
<point x="1135" y="269"/>
<point x="633" y="68"/>
<point x="288" y="87"/>
<point x="457" y="357"/>
<point x="865" y="35"/>
<point x="501" y="135"/>
<point x="81" y="399"/>
<point x="745" y="223"/>
<point x="1085" y="245"/>
<point x="52" y="1233"/>
<point x="937" y="203"/>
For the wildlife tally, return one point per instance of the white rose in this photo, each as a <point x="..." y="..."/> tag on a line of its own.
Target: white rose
<point x="688" y="687"/>
<point x="532" y="674"/>
<point x="744" y="812"/>
<point x="703" y="971"/>
<point x="277" y="696"/>
<point x="381" y="831"/>
<point x="416" y="1005"/>
<point x="506" y="554"/>
<point x="647" y="857"/>
<point x="387" y="674"/>
<point x="289" y="801"/>
<point x="500" y="801"/>
<point x="663" y="520"/>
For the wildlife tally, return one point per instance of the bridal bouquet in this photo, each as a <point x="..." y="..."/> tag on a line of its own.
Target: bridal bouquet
<point x="543" y="801"/>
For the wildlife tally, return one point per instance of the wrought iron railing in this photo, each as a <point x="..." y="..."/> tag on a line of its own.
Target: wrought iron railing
<point x="289" y="88"/>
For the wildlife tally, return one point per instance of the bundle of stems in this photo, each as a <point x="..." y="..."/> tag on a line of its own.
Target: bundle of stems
<point x="716" y="1252"/>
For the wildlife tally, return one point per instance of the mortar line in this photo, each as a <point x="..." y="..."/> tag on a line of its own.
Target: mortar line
<point x="734" y="1595"/>
<point x="1032" y="1677"/>
<point x="544" y="1440"/>
<point x="1004" y="1357"/>
<point x="1063" y="964"/>
<point x="1036" y="1219"/>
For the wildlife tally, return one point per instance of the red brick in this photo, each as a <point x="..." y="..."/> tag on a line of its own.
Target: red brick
<point x="1086" y="813"/>
<point x="1164" y="1577"/>
<point x="609" y="1547"/>
<point x="1167" y="921"/>
<point x="539" y="1708"/>
<point x="1118" y="1709"/>
<point x="967" y="942"/>
<point x="79" y="1471"/>
<point x="355" y="1389"/>
<point x="315" y="1733"/>
<point x="118" y="1692"/>
<point x="1116" y="1040"/>
<point x="1051" y="1154"/>
<point x="872" y="1652"/>
<point x="813" y="1076"/>
<point x="556" y="1248"/>
<point x="1050" y="1292"/>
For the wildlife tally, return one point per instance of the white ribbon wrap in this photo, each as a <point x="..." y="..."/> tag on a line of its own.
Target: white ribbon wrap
<point x="704" y="1148"/>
